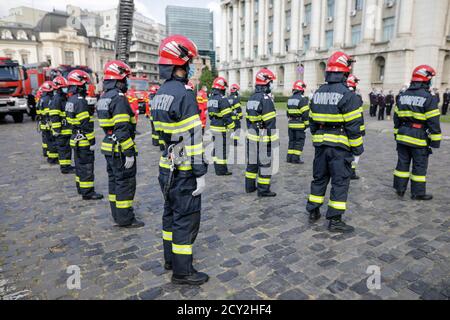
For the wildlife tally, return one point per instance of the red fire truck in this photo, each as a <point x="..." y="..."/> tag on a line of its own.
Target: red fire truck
<point x="141" y="86"/>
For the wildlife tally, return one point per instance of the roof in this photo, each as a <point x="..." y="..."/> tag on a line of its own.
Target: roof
<point x="53" y="21"/>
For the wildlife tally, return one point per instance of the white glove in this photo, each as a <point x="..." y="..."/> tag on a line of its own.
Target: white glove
<point x="232" y="134"/>
<point x="92" y="148"/>
<point x="129" y="162"/>
<point x="357" y="159"/>
<point x="201" y="186"/>
<point x="55" y="134"/>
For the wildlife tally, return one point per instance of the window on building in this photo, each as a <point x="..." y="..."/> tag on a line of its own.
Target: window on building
<point x="107" y="18"/>
<point x="358" y="5"/>
<point x="256" y="6"/>
<point x="270" y="24"/>
<point x="379" y="69"/>
<point x="329" y="38"/>
<point x="288" y="20"/>
<point x="287" y="44"/>
<point x="242" y="53"/>
<point x="356" y="34"/>
<point x="24" y="57"/>
<point x="330" y="8"/>
<point x="270" y="3"/>
<point x="69" y="58"/>
<point x="389" y="3"/>
<point x="308" y="11"/>
<point x="388" y="28"/>
<point x="280" y="77"/>
<point x="7" y="35"/>
<point x="255" y="29"/>
<point x="255" y="51"/>
<point x="306" y="42"/>
<point x="270" y="48"/>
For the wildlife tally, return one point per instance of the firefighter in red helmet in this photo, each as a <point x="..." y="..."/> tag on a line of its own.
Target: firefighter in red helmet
<point x="417" y="129"/>
<point x="236" y="107"/>
<point x="80" y="117"/>
<point x="221" y="122"/>
<point x="261" y="135"/>
<point x="335" y="120"/>
<point x="155" y="135"/>
<point x="118" y="121"/>
<point x="298" y="116"/>
<point x="43" y="108"/>
<point x="182" y="167"/>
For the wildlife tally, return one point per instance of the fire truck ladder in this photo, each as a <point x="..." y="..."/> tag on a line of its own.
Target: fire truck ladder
<point x="124" y="29"/>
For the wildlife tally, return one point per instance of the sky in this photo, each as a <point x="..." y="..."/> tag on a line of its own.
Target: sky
<point x="154" y="9"/>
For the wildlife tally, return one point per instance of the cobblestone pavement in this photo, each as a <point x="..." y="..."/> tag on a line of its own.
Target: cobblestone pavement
<point x="252" y="248"/>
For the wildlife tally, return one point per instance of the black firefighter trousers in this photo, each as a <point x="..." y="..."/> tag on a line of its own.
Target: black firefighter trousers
<point x="259" y="167"/>
<point x="64" y="151"/>
<point x="335" y="164"/>
<point x="296" y="144"/>
<point x="419" y="159"/>
<point x="181" y="220"/>
<point x="52" y="149"/>
<point x="84" y="170"/>
<point x="220" y="152"/>
<point x="122" y="188"/>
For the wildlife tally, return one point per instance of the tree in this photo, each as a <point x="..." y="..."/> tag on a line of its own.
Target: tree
<point x="207" y="78"/>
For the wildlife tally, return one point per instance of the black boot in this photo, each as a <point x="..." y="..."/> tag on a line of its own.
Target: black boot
<point x="425" y="197"/>
<point x="94" y="196"/>
<point x="228" y="173"/>
<point x="195" y="279"/>
<point x="337" y="225"/>
<point x="52" y="161"/>
<point x="401" y="194"/>
<point x="266" y="194"/>
<point x="68" y="170"/>
<point x="314" y="215"/>
<point x="354" y="177"/>
<point x="250" y="190"/>
<point x="134" y="224"/>
<point x="168" y="266"/>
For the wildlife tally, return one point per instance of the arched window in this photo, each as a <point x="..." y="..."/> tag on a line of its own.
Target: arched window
<point x="280" y="76"/>
<point x="378" y="70"/>
<point x="250" y="78"/>
<point x="446" y="72"/>
<point x="7" y="35"/>
<point x="321" y="67"/>
<point x="22" y="35"/>
<point x="238" y="77"/>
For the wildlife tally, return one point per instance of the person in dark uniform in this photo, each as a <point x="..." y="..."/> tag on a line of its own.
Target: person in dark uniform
<point x="182" y="167"/>
<point x="298" y="121"/>
<point x="221" y="123"/>
<point x="80" y="117"/>
<point x="155" y="136"/>
<point x="381" y="105"/>
<point x="446" y="101"/>
<point x="47" y="95"/>
<point x="373" y="98"/>
<point x="118" y="121"/>
<point x="417" y="129"/>
<point x="389" y="104"/>
<point x="31" y="102"/>
<point x="335" y="124"/>
<point x="236" y="108"/>
<point x="262" y="135"/>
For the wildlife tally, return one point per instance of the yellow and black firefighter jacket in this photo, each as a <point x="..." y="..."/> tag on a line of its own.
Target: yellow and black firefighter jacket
<point x="80" y="118"/>
<point x="117" y="120"/>
<point x="43" y="109"/>
<point x="261" y="117"/>
<point x="220" y="113"/>
<point x="57" y="112"/>
<point x="298" y="112"/>
<point x="236" y="107"/>
<point x="335" y="116"/>
<point x="416" y="118"/>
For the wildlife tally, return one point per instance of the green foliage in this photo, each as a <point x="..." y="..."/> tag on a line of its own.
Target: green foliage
<point x="206" y="78"/>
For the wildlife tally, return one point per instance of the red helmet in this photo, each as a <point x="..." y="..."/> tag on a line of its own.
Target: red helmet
<point x="154" y="89"/>
<point x="60" y="82"/>
<point x="116" y="70"/>
<point x="177" y="50"/>
<point x="352" y="81"/>
<point x="264" y="76"/>
<point x="423" y="73"/>
<point x="299" y="85"/>
<point x="78" y="78"/>
<point x="235" y="88"/>
<point x="339" y="62"/>
<point x="190" y="85"/>
<point x="47" y="86"/>
<point x="220" y="83"/>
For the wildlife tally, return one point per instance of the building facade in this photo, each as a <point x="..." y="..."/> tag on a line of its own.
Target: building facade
<point x="294" y="38"/>
<point x="195" y="23"/>
<point x="24" y="15"/>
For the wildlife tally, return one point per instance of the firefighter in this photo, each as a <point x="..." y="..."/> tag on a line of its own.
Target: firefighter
<point x="41" y="125"/>
<point x="373" y="98"/>
<point x="389" y="104"/>
<point x="381" y="100"/>
<point x="235" y="102"/>
<point x="446" y="102"/>
<point x="417" y="129"/>
<point x="352" y="83"/>
<point x="79" y="116"/>
<point x="61" y="130"/>
<point x="48" y="139"/>
<point x="335" y="124"/>
<point x="221" y="123"/>
<point x="182" y="173"/>
<point x="117" y="119"/>
<point x="261" y="135"/>
<point x="202" y="101"/>
<point x="155" y="136"/>
<point x="298" y="120"/>
<point x="133" y="101"/>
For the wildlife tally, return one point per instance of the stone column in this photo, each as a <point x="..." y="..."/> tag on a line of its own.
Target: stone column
<point x="323" y="22"/>
<point x="370" y="10"/>
<point x="235" y="23"/>
<point x="223" y="42"/>
<point x="277" y="36"/>
<point x="262" y="43"/>
<point x="379" y="21"/>
<point x="295" y="25"/>
<point x="340" y="23"/>
<point x="348" y="23"/>
<point x="315" y="24"/>
<point x="406" y="17"/>
<point x="248" y="28"/>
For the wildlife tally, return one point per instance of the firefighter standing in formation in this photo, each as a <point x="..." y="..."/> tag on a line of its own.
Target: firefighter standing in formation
<point x="48" y="140"/>
<point x="79" y="116"/>
<point x="202" y="101"/>
<point x="235" y="101"/>
<point x="417" y="130"/>
<point x="60" y="127"/>
<point x="298" y="120"/>
<point x="221" y="123"/>
<point x="118" y="121"/>
<point x="155" y="136"/>
<point x="335" y="121"/>
<point x="352" y="83"/>
<point x="41" y="124"/>
<point x="261" y="136"/>
<point x="182" y="166"/>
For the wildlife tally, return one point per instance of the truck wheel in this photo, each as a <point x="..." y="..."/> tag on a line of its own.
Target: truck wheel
<point x="18" y="117"/>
